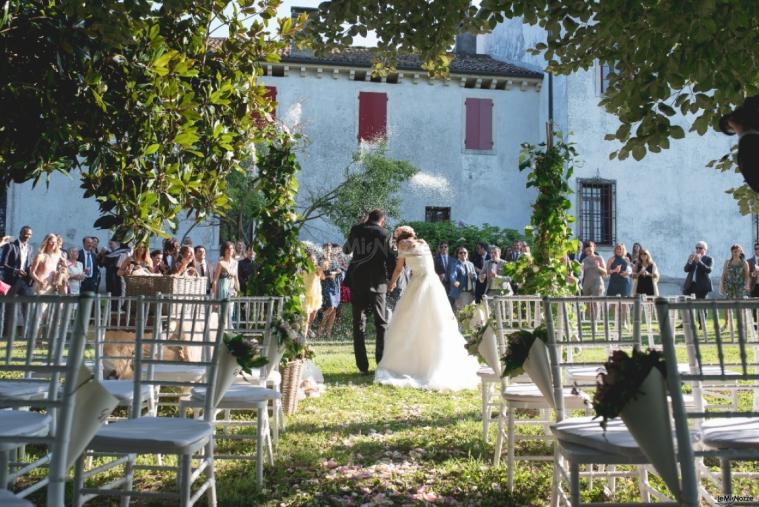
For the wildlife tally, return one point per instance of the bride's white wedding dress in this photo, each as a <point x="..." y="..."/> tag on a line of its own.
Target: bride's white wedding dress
<point x="423" y="346"/>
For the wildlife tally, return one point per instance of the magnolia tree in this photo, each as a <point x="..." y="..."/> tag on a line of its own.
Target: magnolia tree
<point x="137" y="98"/>
<point x="698" y="59"/>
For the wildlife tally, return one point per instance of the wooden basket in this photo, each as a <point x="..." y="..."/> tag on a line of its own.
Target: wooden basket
<point x="151" y="285"/>
<point x="290" y="385"/>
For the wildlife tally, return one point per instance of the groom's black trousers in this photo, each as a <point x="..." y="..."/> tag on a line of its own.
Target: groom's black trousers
<point x="362" y="302"/>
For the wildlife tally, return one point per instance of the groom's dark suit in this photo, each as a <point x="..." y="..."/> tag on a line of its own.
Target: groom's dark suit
<point x="373" y="260"/>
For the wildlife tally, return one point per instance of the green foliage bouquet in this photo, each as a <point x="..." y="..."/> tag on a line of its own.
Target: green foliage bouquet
<point x="621" y="383"/>
<point x="247" y="352"/>
<point x="519" y="345"/>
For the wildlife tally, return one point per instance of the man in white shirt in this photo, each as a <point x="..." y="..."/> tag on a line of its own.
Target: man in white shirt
<point x="202" y="265"/>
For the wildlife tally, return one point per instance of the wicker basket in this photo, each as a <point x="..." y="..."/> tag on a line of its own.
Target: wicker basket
<point x="290" y="385"/>
<point x="152" y="285"/>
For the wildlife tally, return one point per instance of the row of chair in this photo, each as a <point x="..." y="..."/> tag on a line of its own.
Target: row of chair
<point x="588" y="329"/>
<point x="135" y="350"/>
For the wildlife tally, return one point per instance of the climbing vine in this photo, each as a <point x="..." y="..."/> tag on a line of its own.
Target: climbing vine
<point x="548" y="270"/>
<point x="281" y="256"/>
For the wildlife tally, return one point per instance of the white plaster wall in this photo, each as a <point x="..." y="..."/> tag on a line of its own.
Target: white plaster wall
<point x="669" y="200"/>
<point x="425" y="127"/>
<point x="60" y="207"/>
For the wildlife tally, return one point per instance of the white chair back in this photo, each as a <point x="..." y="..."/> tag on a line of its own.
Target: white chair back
<point x="159" y="325"/>
<point x="54" y="360"/>
<point x="256" y="317"/>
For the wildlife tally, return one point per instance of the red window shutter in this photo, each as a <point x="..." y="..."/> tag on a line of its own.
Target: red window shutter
<point x="479" y="124"/>
<point x="372" y="115"/>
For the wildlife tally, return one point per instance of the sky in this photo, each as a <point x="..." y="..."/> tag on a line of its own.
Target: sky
<point x="284" y="10"/>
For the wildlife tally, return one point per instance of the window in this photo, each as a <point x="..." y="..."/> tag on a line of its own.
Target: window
<point x="436" y="214"/>
<point x="3" y="208"/>
<point x="372" y="115"/>
<point x="597" y="211"/>
<point x="604" y="76"/>
<point x="479" y="124"/>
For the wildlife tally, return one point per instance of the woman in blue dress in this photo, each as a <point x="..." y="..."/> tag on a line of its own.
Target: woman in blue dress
<point x="619" y="269"/>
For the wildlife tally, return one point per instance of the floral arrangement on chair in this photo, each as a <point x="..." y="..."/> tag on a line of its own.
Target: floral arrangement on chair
<point x="621" y="383"/>
<point x="519" y="345"/>
<point x="634" y="388"/>
<point x="293" y="342"/>
<point x="247" y="352"/>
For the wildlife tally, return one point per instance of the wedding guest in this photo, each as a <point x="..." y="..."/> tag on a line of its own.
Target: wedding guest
<point x="45" y="265"/>
<point x="225" y="282"/>
<point x="593" y="271"/>
<point x="137" y="263"/>
<point x="646" y="275"/>
<point x="89" y="259"/>
<point x="495" y="282"/>
<point x="239" y="250"/>
<point x="313" y="290"/>
<point x="201" y="263"/>
<point x="17" y="262"/>
<point x="736" y="279"/>
<point x="247" y="270"/>
<point x="61" y="275"/>
<point x="753" y="269"/>
<point x="461" y="278"/>
<point x="187" y="241"/>
<point x="111" y="259"/>
<point x="698" y="267"/>
<point x="619" y="270"/>
<point x="159" y="268"/>
<point x="75" y="271"/>
<point x="442" y="264"/>
<point x="480" y="258"/>
<point x="170" y="251"/>
<point x="744" y="121"/>
<point x="633" y="256"/>
<point x="184" y="265"/>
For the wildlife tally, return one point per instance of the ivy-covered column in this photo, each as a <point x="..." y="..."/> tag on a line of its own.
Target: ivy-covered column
<point x="281" y="255"/>
<point x="548" y="271"/>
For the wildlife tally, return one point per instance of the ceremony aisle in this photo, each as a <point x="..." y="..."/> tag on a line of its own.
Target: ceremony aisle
<point x="363" y="444"/>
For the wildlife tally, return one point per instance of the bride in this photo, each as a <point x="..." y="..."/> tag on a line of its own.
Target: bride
<point x="423" y="346"/>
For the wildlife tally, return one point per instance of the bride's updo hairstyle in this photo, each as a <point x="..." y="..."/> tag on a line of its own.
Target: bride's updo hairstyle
<point x="404" y="232"/>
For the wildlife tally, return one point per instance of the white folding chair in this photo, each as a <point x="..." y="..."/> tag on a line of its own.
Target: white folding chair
<point x="258" y="317"/>
<point x="717" y="361"/>
<point x="54" y="361"/>
<point x="580" y="441"/>
<point x="521" y="312"/>
<point x="520" y="393"/>
<point x="189" y="439"/>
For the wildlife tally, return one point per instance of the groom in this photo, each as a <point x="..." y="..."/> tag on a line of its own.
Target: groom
<point x="372" y="260"/>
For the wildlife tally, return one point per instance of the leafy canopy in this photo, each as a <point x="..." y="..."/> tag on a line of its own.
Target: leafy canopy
<point x="134" y="96"/>
<point x="698" y="58"/>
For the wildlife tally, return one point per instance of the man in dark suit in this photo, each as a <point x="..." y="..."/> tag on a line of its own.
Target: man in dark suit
<point x="17" y="260"/>
<point x="698" y="267"/>
<point x="88" y="258"/>
<point x="481" y="257"/>
<point x="753" y="270"/>
<point x="373" y="259"/>
<point x="442" y="263"/>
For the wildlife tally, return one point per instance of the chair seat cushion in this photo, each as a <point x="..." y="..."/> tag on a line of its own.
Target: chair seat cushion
<point x="123" y="390"/>
<point x="8" y="499"/>
<point x="179" y="373"/>
<point x="740" y="432"/>
<point x="587" y="432"/>
<point x="275" y="377"/>
<point x="239" y="396"/>
<point x="152" y="435"/>
<point x="583" y="374"/>
<point x="487" y="374"/>
<point x="529" y="393"/>
<point x="708" y="369"/>
<point x="20" y="423"/>
<point x="23" y="389"/>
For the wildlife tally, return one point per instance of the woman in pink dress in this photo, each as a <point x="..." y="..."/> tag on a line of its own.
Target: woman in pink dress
<point x="45" y="265"/>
